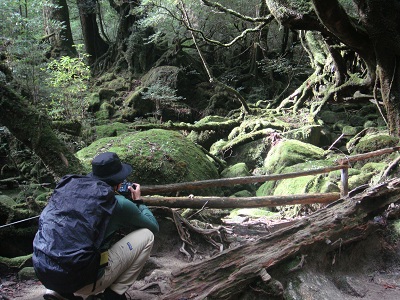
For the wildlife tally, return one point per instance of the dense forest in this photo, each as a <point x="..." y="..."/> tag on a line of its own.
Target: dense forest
<point x="78" y="77"/>
<point x="290" y="53"/>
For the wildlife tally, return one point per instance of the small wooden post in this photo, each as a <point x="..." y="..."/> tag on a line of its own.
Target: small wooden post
<point x="344" y="175"/>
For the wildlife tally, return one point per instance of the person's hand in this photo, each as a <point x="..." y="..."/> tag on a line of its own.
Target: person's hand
<point x="135" y="191"/>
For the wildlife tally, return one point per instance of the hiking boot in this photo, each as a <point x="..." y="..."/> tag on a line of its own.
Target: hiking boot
<point x="53" y="295"/>
<point x="109" y="294"/>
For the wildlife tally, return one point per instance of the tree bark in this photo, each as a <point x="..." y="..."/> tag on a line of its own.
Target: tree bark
<point x="34" y="130"/>
<point x="94" y="44"/>
<point x="228" y="274"/>
<point x="61" y="36"/>
<point x="240" y="202"/>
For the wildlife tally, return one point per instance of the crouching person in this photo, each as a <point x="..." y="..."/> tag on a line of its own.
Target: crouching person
<point x="72" y="252"/>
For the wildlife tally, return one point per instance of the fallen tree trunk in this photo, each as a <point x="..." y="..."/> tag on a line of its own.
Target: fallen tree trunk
<point x="173" y="187"/>
<point x="239" y="202"/>
<point x="228" y="274"/>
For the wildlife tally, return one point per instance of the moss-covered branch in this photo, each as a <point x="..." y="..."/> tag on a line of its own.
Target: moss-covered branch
<point x="34" y="130"/>
<point x="216" y="126"/>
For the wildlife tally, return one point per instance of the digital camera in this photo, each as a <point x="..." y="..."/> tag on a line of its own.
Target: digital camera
<point x="124" y="191"/>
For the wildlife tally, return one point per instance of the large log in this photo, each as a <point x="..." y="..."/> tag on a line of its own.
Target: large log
<point x="240" y="202"/>
<point x="154" y="189"/>
<point x="226" y="275"/>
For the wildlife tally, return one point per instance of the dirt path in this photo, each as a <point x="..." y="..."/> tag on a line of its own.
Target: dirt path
<point x="368" y="270"/>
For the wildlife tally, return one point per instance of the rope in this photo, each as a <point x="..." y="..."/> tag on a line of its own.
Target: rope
<point x="20" y="221"/>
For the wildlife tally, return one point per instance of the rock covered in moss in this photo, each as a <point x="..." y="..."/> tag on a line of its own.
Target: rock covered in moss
<point x="320" y="183"/>
<point x="237" y="170"/>
<point x="207" y="137"/>
<point x="27" y="273"/>
<point x="372" y="142"/>
<point x="7" y="201"/>
<point x="290" y="152"/>
<point x="157" y="156"/>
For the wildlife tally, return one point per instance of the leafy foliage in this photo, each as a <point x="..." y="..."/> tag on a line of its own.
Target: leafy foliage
<point x="163" y="96"/>
<point x="68" y="77"/>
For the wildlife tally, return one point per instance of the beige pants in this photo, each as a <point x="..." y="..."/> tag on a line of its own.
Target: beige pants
<point x="126" y="259"/>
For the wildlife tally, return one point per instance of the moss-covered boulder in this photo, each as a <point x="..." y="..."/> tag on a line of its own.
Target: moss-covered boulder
<point x="7" y="201"/>
<point x="207" y="137"/>
<point x="27" y="273"/>
<point x="320" y="183"/>
<point x="372" y="142"/>
<point x="312" y="134"/>
<point x="157" y="156"/>
<point x="237" y="170"/>
<point x="110" y="130"/>
<point x="288" y="153"/>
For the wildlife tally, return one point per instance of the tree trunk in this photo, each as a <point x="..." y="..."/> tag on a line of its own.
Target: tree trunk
<point x="228" y="274"/>
<point x="60" y="36"/>
<point x="34" y="131"/>
<point x="385" y="38"/>
<point x="94" y="44"/>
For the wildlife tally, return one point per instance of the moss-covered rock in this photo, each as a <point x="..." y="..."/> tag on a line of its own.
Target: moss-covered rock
<point x="157" y="156"/>
<point x="311" y="184"/>
<point x="7" y="201"/>
<point x="331" y="117"/>
<point x="94" y="102"/>
<point x="207" y="137"/>
<point x="105" y="112"/>
<point x="311" y="134"/>
<point x="110" y="130"/>
<point x="290" y="152"/>
<point x="17" y="262"/>
<point x="27" y="273"/>
<point x="237" y="170"/>
<point x="374" y="142"/>
<point x="107" y="94"/>
<point x="252" y="154"/>
<point x="320" y="183"/>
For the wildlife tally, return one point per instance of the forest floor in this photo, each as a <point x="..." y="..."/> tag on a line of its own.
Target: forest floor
<point x="369" y="270"/>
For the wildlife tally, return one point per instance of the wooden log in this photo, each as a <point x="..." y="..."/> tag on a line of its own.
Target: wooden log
<point x="240" y="202"/>
<point x="155" y="189"/>
<point x="358" y="157"/>
<point x="226" y="275"/>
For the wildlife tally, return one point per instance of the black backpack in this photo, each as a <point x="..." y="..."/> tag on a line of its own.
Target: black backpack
<point x="66" y="248"/>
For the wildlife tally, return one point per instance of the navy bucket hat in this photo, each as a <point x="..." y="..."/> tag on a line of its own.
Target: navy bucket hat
<point x="108" y="167"/>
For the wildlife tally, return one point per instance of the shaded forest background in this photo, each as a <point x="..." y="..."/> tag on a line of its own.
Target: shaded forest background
<point x="72" y="72"/>
<point x="289" y="54"/>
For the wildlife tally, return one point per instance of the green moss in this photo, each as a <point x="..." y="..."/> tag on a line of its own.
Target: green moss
<point x="396" y="227"/>
<point x="349" y="130"/>
<point x="237" y="170"/>
<point x="157" y="156"/>
<point x="27" y="273"/>
<point x="254" y="212"/>
<point x="288" y="153"/>
<point x="242" y="193"/>
<point x="362" y="178"/>
<point x="104" y="112"/>
<point x="94" y="102"/>
<point x="308" y="134"/>
<point x="15" y="262"/>
<point x="110" y="130"/>
<point x="305" y="185"/>
<point x="266" y="189"/>
<point x="7" y="201"/>
<point x="374" y="167"/>
<point x="378" y="141"/>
